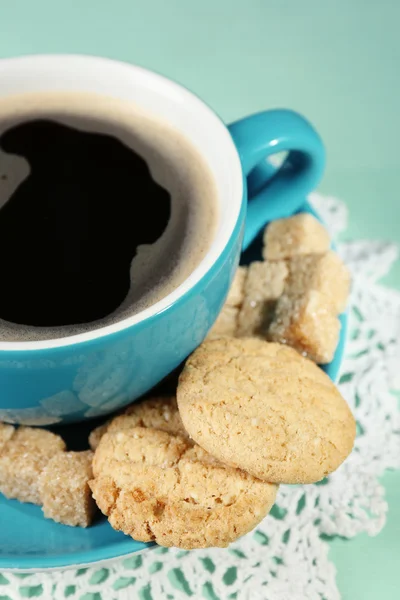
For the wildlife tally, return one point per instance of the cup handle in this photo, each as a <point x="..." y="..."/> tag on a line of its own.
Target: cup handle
<point x="276" y="193"/>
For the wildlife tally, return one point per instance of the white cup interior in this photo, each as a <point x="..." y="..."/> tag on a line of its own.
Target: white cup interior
<point x="164" y="99"/>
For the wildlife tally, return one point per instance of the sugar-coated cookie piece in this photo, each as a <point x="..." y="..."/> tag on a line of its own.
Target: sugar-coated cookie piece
<point x="308" y="323"/>
<point x="300" y="234"/>
<point x="160" y="487"/>
<point x="64" y="489"/>
<point x="263" y="408"/>
<point x="22" y="459"/>
<point x="226" y="323"/>
<point x="158" y="413"/>
<point x="264" y="285"/>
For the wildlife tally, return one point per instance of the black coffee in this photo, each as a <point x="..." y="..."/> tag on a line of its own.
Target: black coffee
<point x="88" y="202"/>
<point x="103" y="211"/>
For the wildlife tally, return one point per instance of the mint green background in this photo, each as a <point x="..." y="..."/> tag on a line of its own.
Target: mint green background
<point x="336" y="62"/>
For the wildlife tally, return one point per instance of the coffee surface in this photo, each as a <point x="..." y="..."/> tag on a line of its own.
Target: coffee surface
<point x="104" y="210"/>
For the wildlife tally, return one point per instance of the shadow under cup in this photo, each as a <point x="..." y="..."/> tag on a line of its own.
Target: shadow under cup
<point x="94" y="373"/>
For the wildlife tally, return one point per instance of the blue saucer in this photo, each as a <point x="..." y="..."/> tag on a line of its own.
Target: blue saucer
<point x="29" y="541"/>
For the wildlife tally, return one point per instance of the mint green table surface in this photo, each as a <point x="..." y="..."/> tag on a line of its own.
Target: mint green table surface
<point x="336" y="62"/>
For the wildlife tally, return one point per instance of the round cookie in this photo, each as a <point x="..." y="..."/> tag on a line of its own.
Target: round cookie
<point x="159" y="413"/>
<point x="160" y="487"/>
<point x="264" y="408"/>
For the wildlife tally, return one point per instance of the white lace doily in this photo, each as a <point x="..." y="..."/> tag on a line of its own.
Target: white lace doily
<point x="285" y="558"/>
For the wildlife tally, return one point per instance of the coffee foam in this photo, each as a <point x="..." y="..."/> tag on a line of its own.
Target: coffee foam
<point x="174" y="163"/>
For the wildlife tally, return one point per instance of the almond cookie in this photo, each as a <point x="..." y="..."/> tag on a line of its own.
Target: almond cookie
<point x="264" y="408"/>
<point x="158" y="413"/>
<point x="158" y="486"/>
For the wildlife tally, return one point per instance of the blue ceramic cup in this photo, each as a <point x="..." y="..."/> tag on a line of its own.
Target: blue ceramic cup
<point x="96" y="372"/>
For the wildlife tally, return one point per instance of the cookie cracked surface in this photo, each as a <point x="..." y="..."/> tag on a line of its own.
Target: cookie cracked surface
<point x="159" y="486"/>
<point x="264" y="408"/>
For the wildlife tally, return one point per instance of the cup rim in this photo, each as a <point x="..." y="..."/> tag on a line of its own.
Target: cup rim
<point x="213" y="253"/>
